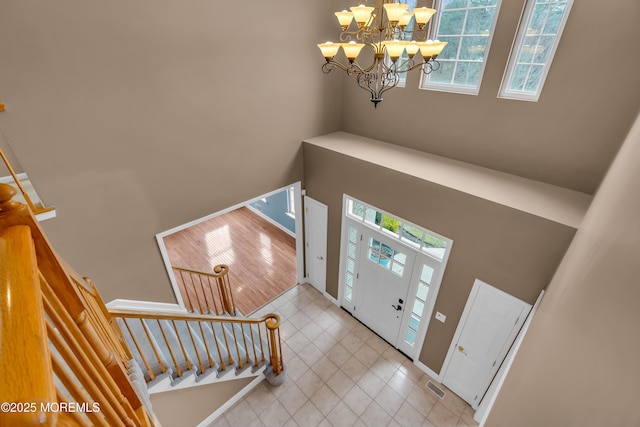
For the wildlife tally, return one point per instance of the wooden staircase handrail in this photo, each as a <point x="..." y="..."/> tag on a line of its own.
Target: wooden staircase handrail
<point x="203" y="294"/>
<point x="60" y="293"/>
<point x="271" y="322"/>
<point x="135" y="314"/>
<point x="23" y="331"/>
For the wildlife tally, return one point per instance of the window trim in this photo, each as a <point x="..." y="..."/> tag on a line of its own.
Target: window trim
<point x="514" y="54"/>
<point x="291" y="206"/>
<point x="425" y="83"/>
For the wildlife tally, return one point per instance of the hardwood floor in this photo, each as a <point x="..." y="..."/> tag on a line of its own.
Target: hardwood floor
<point x="260" y="256"/>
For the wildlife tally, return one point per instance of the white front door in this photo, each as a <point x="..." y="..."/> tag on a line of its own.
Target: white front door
<point x="383" y="284"/>
<point x="315" y="232"/>
<point x="489" y="324"/>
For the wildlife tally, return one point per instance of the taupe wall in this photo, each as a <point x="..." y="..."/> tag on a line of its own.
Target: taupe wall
<point x="578" y="364"/>
<point x="189" y="407"/>
<point x="135" y="117"/>
<point x="11" y="157"/>
<point x="511" y="250"/>
<point x="568" y="138"/>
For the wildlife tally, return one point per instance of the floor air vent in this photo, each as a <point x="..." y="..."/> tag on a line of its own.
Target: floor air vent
<point x="434" y="388"/>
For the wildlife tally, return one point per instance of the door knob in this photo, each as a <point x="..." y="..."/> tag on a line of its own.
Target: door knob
<point x="461" y="350"/>
<point x="400" y="300"/>
<point x="398" y="308"/>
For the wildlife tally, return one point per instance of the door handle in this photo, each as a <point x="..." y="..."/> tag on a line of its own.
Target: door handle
<point x="320" y="258"/>
<point x="398" y="308"/>
<point x="461" y="350"/>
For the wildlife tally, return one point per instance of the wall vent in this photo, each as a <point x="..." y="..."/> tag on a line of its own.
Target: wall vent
<point x="434" y="388"/>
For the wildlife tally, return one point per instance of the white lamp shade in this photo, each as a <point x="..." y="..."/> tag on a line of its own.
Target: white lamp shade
<point x="395" y="11"/>
<point x="406" y="18"/>
<point x="352" y="50"/>
<point x="423" y="15"/>
<point x="362" y="14"/>
<point x="412" y="48"/>
<point x="395" y="48"/>
<point x="431" y="48"/>
<point x="329" y="49"/>
<point x="344" y="18"/>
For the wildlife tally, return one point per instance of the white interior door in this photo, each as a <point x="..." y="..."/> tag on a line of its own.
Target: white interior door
<point x="489" y="324"/>
<point x="383" y="283"/>
<point x="315" y="232"/>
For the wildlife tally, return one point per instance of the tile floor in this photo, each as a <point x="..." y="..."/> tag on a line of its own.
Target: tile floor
<point x="339" y="373"/>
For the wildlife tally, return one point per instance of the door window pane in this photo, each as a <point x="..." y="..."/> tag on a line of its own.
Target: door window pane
<point x="370" y="216"/>
<point x="418" y="308"/>
<point x="357" y="210"/>
<point x="351" y="251"/>
<point x="411" y="336"/>
<point x="426" y="275"/>
<point x="353" y="234"/>
<point x="422" y="291"/>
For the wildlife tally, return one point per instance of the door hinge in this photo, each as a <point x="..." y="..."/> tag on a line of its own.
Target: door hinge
<point x="361" y="237"/>
<point x="475" y="397"/>
<point x="354" y="308"/>
<point x="517" y="321"/>
<point x="357" y="275"/>
<point x="494" y="364"/>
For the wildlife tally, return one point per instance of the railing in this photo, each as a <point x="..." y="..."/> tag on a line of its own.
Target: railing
<point x="251" y="340"/>
<point x="207" y="292"/>
<point x="35" y="209"/>
<point x="61" y="362"/>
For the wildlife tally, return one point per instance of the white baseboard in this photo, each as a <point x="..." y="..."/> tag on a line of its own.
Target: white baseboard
<point x="332" y="299"/>
<point x="229" y="403"/>
<point x="272" y="221"/>
<point x="424" y="368"/>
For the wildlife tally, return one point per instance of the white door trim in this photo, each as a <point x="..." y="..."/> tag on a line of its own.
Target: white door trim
<point x="484" y="409"/>
<point x="477" y="285"/>
<point x="322" y="209"/>
<point x="422" y="257"/>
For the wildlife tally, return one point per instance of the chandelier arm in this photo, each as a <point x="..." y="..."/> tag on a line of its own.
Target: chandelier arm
<point x="364" y="81"/>
<point x="405" y="66"/>
<point x="416" y="34"/>
<point x="390" y="80"/>
<point x="329" y="66"/>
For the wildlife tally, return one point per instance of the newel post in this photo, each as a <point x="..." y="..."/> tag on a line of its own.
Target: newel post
<point x="22" y="324"/>
<point x="221" y="273"/>
<point x="278" y="373"/>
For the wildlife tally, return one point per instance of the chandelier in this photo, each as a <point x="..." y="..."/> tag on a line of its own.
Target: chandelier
<point x="387" y="31"/>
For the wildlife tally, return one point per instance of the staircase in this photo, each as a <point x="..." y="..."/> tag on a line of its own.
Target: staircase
<point x="103" y="362"/>
<point x="178" y="351"/>
<point x="210" y="342"/>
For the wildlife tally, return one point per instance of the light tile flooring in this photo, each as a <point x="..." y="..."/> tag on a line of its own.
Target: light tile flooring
<point x="339" y="373"/>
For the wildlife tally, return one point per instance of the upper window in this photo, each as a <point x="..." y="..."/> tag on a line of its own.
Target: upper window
<point x="402" y="77"/>
<point x="467" y="26"/>
<point x="538" y="35"/>
<point x="291" y="201"/>
<point x="418" y="237"/>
